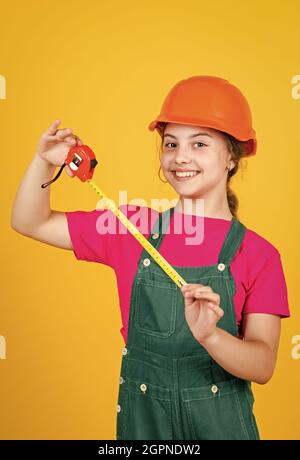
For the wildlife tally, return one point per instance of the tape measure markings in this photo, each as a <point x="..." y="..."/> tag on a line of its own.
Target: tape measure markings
<point x="162" y="262"/>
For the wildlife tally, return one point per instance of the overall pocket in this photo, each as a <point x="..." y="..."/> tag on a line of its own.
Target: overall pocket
<point x="155" y="307"/>
<point x="147" y="411"/>
<point x="219" y="411"/>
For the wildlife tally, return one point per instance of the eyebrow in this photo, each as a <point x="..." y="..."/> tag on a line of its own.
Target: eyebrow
<point x="193" y="135"/>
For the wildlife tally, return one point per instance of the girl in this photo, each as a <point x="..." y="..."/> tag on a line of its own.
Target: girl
<point x="191" y="353"/>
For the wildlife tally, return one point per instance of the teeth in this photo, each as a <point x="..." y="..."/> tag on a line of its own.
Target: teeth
<point x="185" y="174"/>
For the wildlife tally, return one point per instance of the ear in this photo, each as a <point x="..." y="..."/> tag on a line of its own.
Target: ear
<point x="229" y="160"/>
<point x="232" y="165"/>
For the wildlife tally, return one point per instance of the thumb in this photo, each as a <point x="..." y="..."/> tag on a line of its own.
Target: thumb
<point x="188" y="298"/>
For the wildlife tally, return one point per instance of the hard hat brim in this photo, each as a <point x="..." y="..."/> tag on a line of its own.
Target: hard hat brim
<point x="250" y="146"/>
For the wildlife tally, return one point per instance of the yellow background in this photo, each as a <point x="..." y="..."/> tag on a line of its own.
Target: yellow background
<point x="103" y="68"/>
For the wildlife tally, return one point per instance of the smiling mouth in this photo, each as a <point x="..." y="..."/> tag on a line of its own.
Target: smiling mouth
<point x="183" y="176"/>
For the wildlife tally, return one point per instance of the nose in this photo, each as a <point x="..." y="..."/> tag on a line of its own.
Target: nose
<point x="182" y="157"/>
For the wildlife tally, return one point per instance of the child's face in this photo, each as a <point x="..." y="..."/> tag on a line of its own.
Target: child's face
<point x="208" y="155"/>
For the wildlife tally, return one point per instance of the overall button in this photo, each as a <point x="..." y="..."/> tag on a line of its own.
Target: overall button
<point x="118" y="408"/>
<point x="146" y="262"/>
<point x="214" y="388"/>
<point x="124" y="351"/>
<point x="155" y="236"/>
<point x="143" y="387"/>
<point x="221" y="267"/>
<point x="121" y="380"/>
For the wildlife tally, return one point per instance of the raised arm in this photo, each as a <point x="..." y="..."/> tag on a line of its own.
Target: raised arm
<point x="31" y="213"/>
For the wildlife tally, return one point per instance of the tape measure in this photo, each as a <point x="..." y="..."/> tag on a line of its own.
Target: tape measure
<point x="162" y="262"/>
<point x="81" y="160"/>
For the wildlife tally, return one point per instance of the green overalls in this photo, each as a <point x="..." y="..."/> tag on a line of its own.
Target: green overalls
<point x="170" y="387"/>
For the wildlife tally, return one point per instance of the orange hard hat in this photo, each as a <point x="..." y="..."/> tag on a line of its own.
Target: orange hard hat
<point x="205" y="100"/>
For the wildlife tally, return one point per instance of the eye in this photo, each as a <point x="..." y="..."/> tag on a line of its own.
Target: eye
<point x="169" y="143"/>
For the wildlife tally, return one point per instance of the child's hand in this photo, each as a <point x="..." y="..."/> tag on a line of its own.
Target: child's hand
<point x="202" y="310"/>
<point x="55" y="144"/>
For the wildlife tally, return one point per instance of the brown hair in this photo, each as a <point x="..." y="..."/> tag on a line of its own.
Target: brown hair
<point x="236" y="148"/>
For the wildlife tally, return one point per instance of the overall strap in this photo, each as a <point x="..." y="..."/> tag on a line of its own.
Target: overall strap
<point x="230" y="246"/>
<point x="232" y="241"/>
<point x="160" y="226"/>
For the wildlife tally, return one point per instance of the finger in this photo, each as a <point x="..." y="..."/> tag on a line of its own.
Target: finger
<point x="193" y="291"/>
<point x="190" y="295"/>
<point x="53" y="128"/>
<point x="190" y="286"/>
<point x="62" y="133"/>
<point x="79" y="141"/>
<point x="216" y="309"/>
<point x="207" y="296"/>
<point x="71" y="140"/>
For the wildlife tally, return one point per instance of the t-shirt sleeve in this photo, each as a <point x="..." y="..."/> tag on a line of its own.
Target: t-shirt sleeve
<point x="89" y="240"/>
<point x="268" y="290"/>
<point x="99" y="236"/>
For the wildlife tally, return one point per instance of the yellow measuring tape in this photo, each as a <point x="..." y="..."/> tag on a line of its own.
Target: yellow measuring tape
<point x="162" y="262"/>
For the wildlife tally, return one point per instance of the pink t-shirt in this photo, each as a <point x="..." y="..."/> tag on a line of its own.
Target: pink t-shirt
<point x="256" y="267"/>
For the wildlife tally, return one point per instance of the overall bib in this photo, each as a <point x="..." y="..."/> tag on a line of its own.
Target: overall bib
<point x="170" y="387"/>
